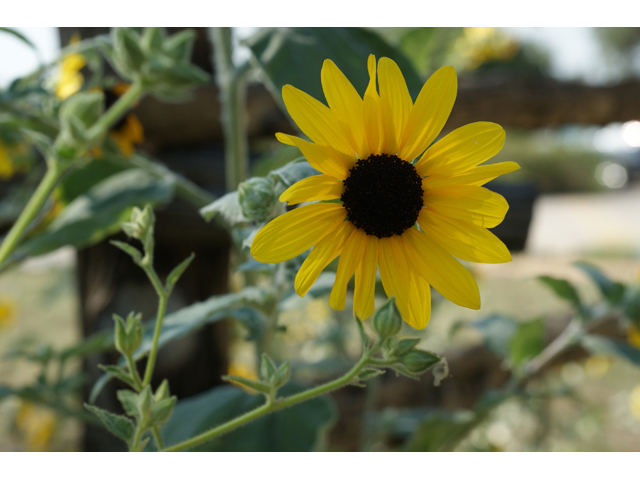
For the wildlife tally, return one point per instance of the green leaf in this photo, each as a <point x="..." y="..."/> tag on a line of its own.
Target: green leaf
<point x="497" y="332"/>
<point x="441" y="430"/>
<point x="563" y="289"/>
<point x="293" y="172"/>
<point x="294" y="429"/>
<point x="527" y="342"/>
<point x="98" y="342"/>
<point x="18" y="35"/>
<point x="295" y="56"/>
<point x="612" y="291"/>
<point x="119" y="425"/>
<point x="129" y="401"/>
<point x="130" y="250"/>
<point x="228" y="206"/>
<point x="607" y="346"/>
<point x="177" y="272"/>
<point x="98" y="213"/>
<point x="118" y="372"/>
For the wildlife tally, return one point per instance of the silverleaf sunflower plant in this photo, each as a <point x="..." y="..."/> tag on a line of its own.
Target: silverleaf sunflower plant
<point x="388" y="196"/>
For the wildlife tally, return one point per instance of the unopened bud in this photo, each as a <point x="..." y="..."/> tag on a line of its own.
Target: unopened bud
<point x="128" y="335"/>
<point x="419" y="361"/>
<point x="257" y="198"/>
<point x="387" y="321"/>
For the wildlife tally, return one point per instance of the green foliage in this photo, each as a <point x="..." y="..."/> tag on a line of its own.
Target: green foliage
<point x="294" y="56"/>
<point x="611" y="291"/>
<point x="98" y="213"/>
<point x="119" y="425"/>
<point x="297" y="428"/>
<point x="615" y="348"/>
<point x="563" y="289"/>
<point x="527" y="342"/>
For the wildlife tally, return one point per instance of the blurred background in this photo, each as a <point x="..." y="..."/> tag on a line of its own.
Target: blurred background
<point x="569" y="99"/>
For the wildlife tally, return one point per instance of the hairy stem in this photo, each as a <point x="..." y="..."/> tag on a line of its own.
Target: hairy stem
<point x="270" y="407"/>
<point x="232" y="98"/>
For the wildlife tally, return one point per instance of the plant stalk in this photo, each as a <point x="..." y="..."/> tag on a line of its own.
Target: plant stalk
<point x="268" y="407"/>
<point x="232" y="99"/>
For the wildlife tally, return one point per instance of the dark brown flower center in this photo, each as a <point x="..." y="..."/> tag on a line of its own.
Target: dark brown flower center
<point x="383" y="195"/>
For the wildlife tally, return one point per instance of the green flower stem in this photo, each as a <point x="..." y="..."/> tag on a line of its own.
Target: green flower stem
<point x="136" y="438"/>
<point x="155" y="431"/>
<point x="162" y="307"/>
<point x="31" y="210"/>
<point x="270" y="407"/>
<point x="232" y="98"/>
<point x="134" y="373"/>
<point x="116" y="112"/>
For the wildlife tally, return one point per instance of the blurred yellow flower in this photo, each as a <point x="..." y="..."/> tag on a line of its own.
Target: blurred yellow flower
<point x="69" y="79"/>
<point x="240" y="369"/>
<point x="6" y="163"/>
<point x="597" y="366"/>
<point x="483" y="44"/>
<point x="38" y="425"/>
<point x="633" y="336"/>
<point x="7" y="312"/>
<point x="634" y="402"/>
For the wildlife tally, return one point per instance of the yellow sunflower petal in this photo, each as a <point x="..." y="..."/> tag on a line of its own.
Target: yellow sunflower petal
<point x="475" y="176"/>
<point x="345" y="103"/>
<point x="316" y="120"/>
<point x="462" y="149"/>
<point x="322" y="255"/>
<point x="400" y="279"/>
<point x="372" y="115"/>
<point x="472" y="204"/>
<point x="352" y="252"/>
<point x="441" y="270"/>
<point x="395" y="99"/>
<point x="462" y="239"/>
<point x="318" y="187"/>
<point x="295" y="232"/>
<point x="324" y="159"/>
<point x="429" y="113"/>
<point x="363" y="299"/>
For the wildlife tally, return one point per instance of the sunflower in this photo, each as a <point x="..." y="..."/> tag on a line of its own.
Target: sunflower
<point x="386" y="197"/>
<point x="70" y="80"/>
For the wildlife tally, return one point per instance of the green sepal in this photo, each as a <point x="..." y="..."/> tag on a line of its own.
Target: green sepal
<point x="282" y="375"/>
<point x="162" y="392"/>
<point x="127" y="50"/>
<point x="419" y="361"/>
<point x="404" y="346"/>
<point x="180" y="45"/>
<point x="267" y="369"/>
<point x="152" y="39"/>
<point x="162" y="410"/>
<point x="254" y="384"/>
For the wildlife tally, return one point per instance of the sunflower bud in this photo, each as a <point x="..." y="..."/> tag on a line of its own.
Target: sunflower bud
<point x="128" y="335"/>
<point x="257" y="198"/>
<point x="140" y="226"/>
<point x="387" y="321"/>
<point x="419" y="361"/>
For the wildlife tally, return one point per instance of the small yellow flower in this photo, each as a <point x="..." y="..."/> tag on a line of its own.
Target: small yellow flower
<point x="70" y="80"/>
<point x="397" y="202"/>
<point x="7" y="312"/>
<point x="484" y="44"/>
<point x="38" y="425"/>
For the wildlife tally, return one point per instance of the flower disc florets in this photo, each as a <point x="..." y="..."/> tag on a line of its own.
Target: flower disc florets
<point x="383" y="195"/>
